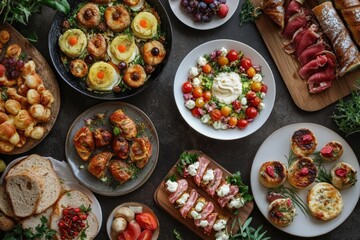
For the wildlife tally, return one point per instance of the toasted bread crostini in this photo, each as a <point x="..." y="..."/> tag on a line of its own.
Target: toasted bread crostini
<point x="325" y="201"/>
<point x="282" y="212"/>
<point x="332" y="151"/>
<point x="272" y="174"/>
<point x="343" y="176"/>
<point x="303" y="142"/>
<point x="302" y="173"/>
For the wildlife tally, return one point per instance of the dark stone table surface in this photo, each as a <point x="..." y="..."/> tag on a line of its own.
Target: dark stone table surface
<point x="175" y="135"/>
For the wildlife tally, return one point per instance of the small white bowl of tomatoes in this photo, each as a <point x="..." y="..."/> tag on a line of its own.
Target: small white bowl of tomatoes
<point x="134" y="221"/>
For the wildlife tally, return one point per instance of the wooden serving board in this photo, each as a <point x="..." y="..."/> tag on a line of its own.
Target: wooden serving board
<point x="288" y="67"/>
<point x="46" y="73"/>
<point x="161" y="198"/>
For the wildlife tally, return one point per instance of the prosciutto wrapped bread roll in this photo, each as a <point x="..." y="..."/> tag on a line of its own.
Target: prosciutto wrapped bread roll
<point x="345" y="49"/>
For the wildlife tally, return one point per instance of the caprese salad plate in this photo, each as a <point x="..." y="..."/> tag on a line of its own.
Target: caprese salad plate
<point x="186" y="18"/>
<point x="224" y="89"/>
<point x="277" y="148"/>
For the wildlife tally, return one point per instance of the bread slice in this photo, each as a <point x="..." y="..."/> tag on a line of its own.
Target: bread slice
<point x="43" y="167"/>
<point x="35" y="220"/>
<point x="74" y="199"/>
<point x="24" y="190"/>
<point x="5" y="204"/>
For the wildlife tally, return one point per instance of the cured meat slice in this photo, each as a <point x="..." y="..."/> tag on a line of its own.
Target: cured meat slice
<point x="182" y="187"/>
<point x="215" y="183"/>
<point x="308" y="38"/>
<point x="313" y="66"/>
<point x="203" y="163"/>
<point x="295" y="22"/>
<point x="309" y="53"/>
<point x="211" y="221"/>
<point x="184" y="210"/>
<point x="208" y="209"/>
<point x="224" y="200"/>
<point x="292" y="8"/>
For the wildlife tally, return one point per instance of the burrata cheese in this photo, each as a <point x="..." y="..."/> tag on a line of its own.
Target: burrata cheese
<point x="227" y="87"/>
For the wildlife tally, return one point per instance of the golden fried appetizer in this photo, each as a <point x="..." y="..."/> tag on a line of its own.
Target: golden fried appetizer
<point x="325" y="201"/>
<point x="78" y="68"/>
<point x="272" y="174"/>
<point x="343" y="176"/>
<point x="135" y="76"/>
<point x="120" y="147"/>
<point x="153" y="52"/>
<point x="126" y="125"/>
<point x="102" y="136"/>
<point x="120" y="170"/>
<point x="117" y="18"/>
<point x="332" y="151"/>
<point x="303" y="142"/>
<point x="84" y="143"/>
<point x="4" y="37"/>
<point x="89" y="15"/>
<point x="98" y="164"/>
<point x="282" y="212"/>
<point x="131" y="2"/>
<point x="140" y="151"/>
<point x="97" y="46"/>
<point x="302" y="173"/>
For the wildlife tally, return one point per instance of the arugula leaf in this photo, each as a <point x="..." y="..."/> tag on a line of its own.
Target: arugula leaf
<point x="235" y="179"/>
<point x="186" y="159"/>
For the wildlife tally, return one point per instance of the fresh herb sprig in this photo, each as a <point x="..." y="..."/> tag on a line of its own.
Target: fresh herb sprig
<point x="347" y="113"/>
<point x="249" y="12"/>
<point x="186" y="159"/>
<point x="235" y="179"/>
<point x="246" y="232"/>
<point x="42" y="231"/>
<point x="177" y="235"/>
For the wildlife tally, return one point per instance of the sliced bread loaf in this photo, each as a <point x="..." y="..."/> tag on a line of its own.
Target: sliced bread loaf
<point x="43" y="167"/>
<point x="74" y="199"/>
<point x="5" y="205"/>
<point x="24" y="190"/>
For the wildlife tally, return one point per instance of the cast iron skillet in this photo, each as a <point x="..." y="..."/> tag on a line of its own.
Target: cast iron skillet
<point x="54" y="50"/>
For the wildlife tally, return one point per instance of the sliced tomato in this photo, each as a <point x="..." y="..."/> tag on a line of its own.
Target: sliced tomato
<point x="145" y="235"/>
<point x="195" y="112"/>
<point x="215" y="115"/>
<point x="146" y="221"/>
<point x="132" y="232"/>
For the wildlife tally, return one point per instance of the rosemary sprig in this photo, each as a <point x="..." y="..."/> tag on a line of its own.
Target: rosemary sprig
<point x="292" y="194"/>
<point x="249" y="12"/>
<point x="291" y="158"/>
<point x="323" y="175"/>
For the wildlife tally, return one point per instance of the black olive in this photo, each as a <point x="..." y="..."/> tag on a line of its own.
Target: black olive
<point x="155" y="51"/>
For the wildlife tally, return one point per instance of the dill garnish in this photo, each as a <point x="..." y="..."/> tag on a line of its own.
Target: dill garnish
<point x="249" y="12"/>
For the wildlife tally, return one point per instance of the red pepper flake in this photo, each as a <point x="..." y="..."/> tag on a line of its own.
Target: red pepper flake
<point x="341" y="172"/>
<point x="327" y="151"/>
<point x="270" y="171"/>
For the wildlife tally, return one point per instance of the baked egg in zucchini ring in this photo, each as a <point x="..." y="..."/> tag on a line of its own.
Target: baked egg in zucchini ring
<point x="73" y="42"/>
<point x="272" y="174"/>
<point x="282" y="212"/>
<point x="144" y="25"/>
<point x="123" y="48"/>
<point x="302" y="173"/>
<point x="102" y="77"/>
<point x="343" y="176"/>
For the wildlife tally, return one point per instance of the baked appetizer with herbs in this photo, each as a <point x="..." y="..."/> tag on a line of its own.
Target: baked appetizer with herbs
<point x="302" y="173"/>
<point x="272" y="174"/>
<point x="303" y="142"/>
<point x="343" y="176"/>
<point x="282" y="212"/>
<point x="332" y="151"/>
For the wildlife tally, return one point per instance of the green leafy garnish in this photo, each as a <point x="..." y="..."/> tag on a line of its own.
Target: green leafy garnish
<point x="85" y="209"/>
<point x="347" y="113"/>
<point x="246" y="232"/>
<point x="171" y="178"/>
<point x="177" y="235"/>
<point x="186" y="159"/>
<point x="116" y="131"/>
<point x="291" y="158"/>
<point x="235" y="179"/>
<point x="249" y="12"/>
<point x="42" y="231"/>
<point x="3" y="93"/>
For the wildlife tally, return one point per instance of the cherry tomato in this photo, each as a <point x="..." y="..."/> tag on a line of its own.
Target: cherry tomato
<point x="206" y="96"/>
<point x="256" y="86"/>
<point x="242" y="123"/>
<point x="145" y="235"/>
<point x="251" y="72"/>
<point x="186" y="87"/>
<point x="225" y="111"/>
<point x="251" y="112"/>
<point x="215" y="115"/>
<point x="146" y="221"/>
<point x="255" y="102"/>
<point x="250" y="95"/>
<point x="222" y="61"/>
<point x="233" y="121"/>
<point x="206" y="68"/>
<point x="195" y="112"/>
<point x="264" y="88"/>
<point x="246" y="63"/>
<point x="236" y="105"/>
<point x="232" y="55"/>
<point x="199" y="102"/>
<point x="197" y="92"/>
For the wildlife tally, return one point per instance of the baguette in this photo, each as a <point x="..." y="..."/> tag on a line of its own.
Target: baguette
<point x="24" y="190"/>
<point x="43" y="167"/>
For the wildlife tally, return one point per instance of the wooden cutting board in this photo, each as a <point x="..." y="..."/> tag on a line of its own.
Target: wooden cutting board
<point x="49" y="79"/>
<point x="288" y="67"/>
<point x="161" y="198"/>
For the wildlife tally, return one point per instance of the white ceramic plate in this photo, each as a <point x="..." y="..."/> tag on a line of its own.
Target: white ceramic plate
<point x="63" y="171"/>
<point x="216" y="22"/>
<point x="275" y="147"/>
<point x="132" y="204"/>
<point x="190" y="61"/>
<point x="76" y="163"/>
